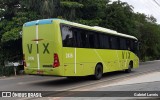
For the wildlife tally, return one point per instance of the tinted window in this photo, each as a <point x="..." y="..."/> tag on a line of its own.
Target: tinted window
<point x="132" y="45"/>
<point x="104" y="41"/>
<point x="67" y="36"/>
<point x="84" y="39"/>
<point x="77" y="39"/>
<point x="114" y="42"/>
<point x="136" y="47"/>
<point x="92" y="39"/>
<point x="128" y="43"/>
<point x="123" y="44"/>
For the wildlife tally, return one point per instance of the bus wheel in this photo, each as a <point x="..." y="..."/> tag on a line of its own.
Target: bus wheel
<point x="98" y="72"/>
<point x="129" y="68"/>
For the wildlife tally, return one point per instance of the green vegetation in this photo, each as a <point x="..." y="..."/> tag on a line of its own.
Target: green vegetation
<point x="118" y="16"/>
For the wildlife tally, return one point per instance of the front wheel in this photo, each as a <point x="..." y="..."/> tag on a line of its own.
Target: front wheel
<point x="129" y="68"/>
<point x="98" y="72"/>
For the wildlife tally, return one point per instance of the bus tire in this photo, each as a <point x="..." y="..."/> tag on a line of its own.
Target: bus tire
<point x="130" y="66"/>
<point x="98" y="72"/>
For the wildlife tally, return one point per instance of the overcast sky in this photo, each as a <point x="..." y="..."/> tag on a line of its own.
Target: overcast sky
<point x="149" y="7"/>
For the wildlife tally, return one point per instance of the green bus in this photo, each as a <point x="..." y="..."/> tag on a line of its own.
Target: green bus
<point x="63" y="48"/>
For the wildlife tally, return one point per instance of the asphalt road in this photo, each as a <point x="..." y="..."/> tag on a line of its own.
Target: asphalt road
<point x="51" y="83"/>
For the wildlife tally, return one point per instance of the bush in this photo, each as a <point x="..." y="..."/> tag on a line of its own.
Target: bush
<point x="1" y="71"/>
<point x="8" y="71"/>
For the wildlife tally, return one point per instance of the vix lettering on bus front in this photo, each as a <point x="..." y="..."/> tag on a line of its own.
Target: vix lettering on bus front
<point x="45" y="48"/>
<point x="126" y="55"/>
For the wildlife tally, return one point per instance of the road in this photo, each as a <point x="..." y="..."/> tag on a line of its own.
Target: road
<point x="50" y="83"/>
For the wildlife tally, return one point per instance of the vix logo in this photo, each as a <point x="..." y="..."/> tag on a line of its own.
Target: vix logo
<point x="126" y="55"/>
<point x="45" y="48"/>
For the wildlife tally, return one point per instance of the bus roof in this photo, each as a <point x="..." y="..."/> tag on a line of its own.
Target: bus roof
<point x="95" y="28"/>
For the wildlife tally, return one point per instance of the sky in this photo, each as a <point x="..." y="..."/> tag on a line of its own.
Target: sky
<point x="148" y="7"/>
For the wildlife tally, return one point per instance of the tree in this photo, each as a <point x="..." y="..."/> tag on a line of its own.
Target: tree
<point x="11" y="41"/>
<point x="150" y="42"/>
<point x="148" y="34"/>
<point x="68" y="9"/>
<point x="119" y="17"/>
<point x="45" y="8"/>
<point x="8" y="8"/>
<point x="92" y="12"/>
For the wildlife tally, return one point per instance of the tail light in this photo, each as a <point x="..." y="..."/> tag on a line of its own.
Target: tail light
<point x="56" y="62"/>
<point x="24" y="62"/>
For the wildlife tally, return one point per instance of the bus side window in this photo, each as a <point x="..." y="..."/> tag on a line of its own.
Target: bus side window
<point x="84" y="39"/>
<point x="136" y="47"/>
<point x="92" y="39"/>
<point x="118" y="43"/>
<point x="104" y="41"/>
<point x="67" y="36"/>
<point x="96" y="42"/>
<point x="114" y="42"/>
<point x="123" y="44"/>
<point x="128" y="44"/>
<point x="76" y="36"/>
<point x="132" y="45"/>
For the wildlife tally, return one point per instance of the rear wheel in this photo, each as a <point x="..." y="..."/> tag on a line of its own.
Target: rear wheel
<point x="98" y="72"/>
<point x="130" y="66"/>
